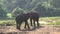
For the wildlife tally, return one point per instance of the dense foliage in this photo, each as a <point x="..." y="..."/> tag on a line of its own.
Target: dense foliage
<point x="10" y="8"/>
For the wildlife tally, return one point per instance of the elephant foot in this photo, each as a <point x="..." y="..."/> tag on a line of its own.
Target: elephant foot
<point x="28" y="28"/>
<point x="31" y="25"/>
<point x="18" y="28"/>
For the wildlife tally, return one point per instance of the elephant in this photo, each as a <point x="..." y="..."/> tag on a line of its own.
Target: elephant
<point x="24" y="18"/>
<point x="20" y="19"/>
<point x="35" y="17"/>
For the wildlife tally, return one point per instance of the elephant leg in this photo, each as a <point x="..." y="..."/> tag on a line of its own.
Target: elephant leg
<point x="27" y="24"/>
<point x="17" y="24"/>
<point x="31" y="22"/>
<point x="34" y="23"/>
<point x="37" y="22"/>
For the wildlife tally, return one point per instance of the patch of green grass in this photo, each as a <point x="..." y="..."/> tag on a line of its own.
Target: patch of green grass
<point x="7" y="21"/>
<point x="56" y="19"/>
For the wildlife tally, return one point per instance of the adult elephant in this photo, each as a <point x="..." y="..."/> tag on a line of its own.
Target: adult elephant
<point x="35" y="17"/>
<point x="20" y="19"/>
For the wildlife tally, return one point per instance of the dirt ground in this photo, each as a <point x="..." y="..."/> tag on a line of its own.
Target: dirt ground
<point x="47" y="29"/>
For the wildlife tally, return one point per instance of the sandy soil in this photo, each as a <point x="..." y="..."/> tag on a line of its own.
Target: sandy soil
<point x="47" y="29"/>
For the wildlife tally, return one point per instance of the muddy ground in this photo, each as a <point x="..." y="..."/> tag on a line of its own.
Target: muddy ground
<point x="47" y="29"/>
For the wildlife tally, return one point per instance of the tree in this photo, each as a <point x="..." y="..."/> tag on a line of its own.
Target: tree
<point x="2" y="13"/>
<point x="56" y="3"/>
<point x="17" y="11"/>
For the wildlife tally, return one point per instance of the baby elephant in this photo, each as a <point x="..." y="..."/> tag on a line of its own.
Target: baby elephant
<point x="35" y="17"/>
<point x="22" y="18"/>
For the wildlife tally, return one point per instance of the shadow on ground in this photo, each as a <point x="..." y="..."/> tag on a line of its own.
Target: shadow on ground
<point x="34" y="28"/>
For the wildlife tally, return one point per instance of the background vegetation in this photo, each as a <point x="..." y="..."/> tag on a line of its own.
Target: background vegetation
<point x="46" y="8"/>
